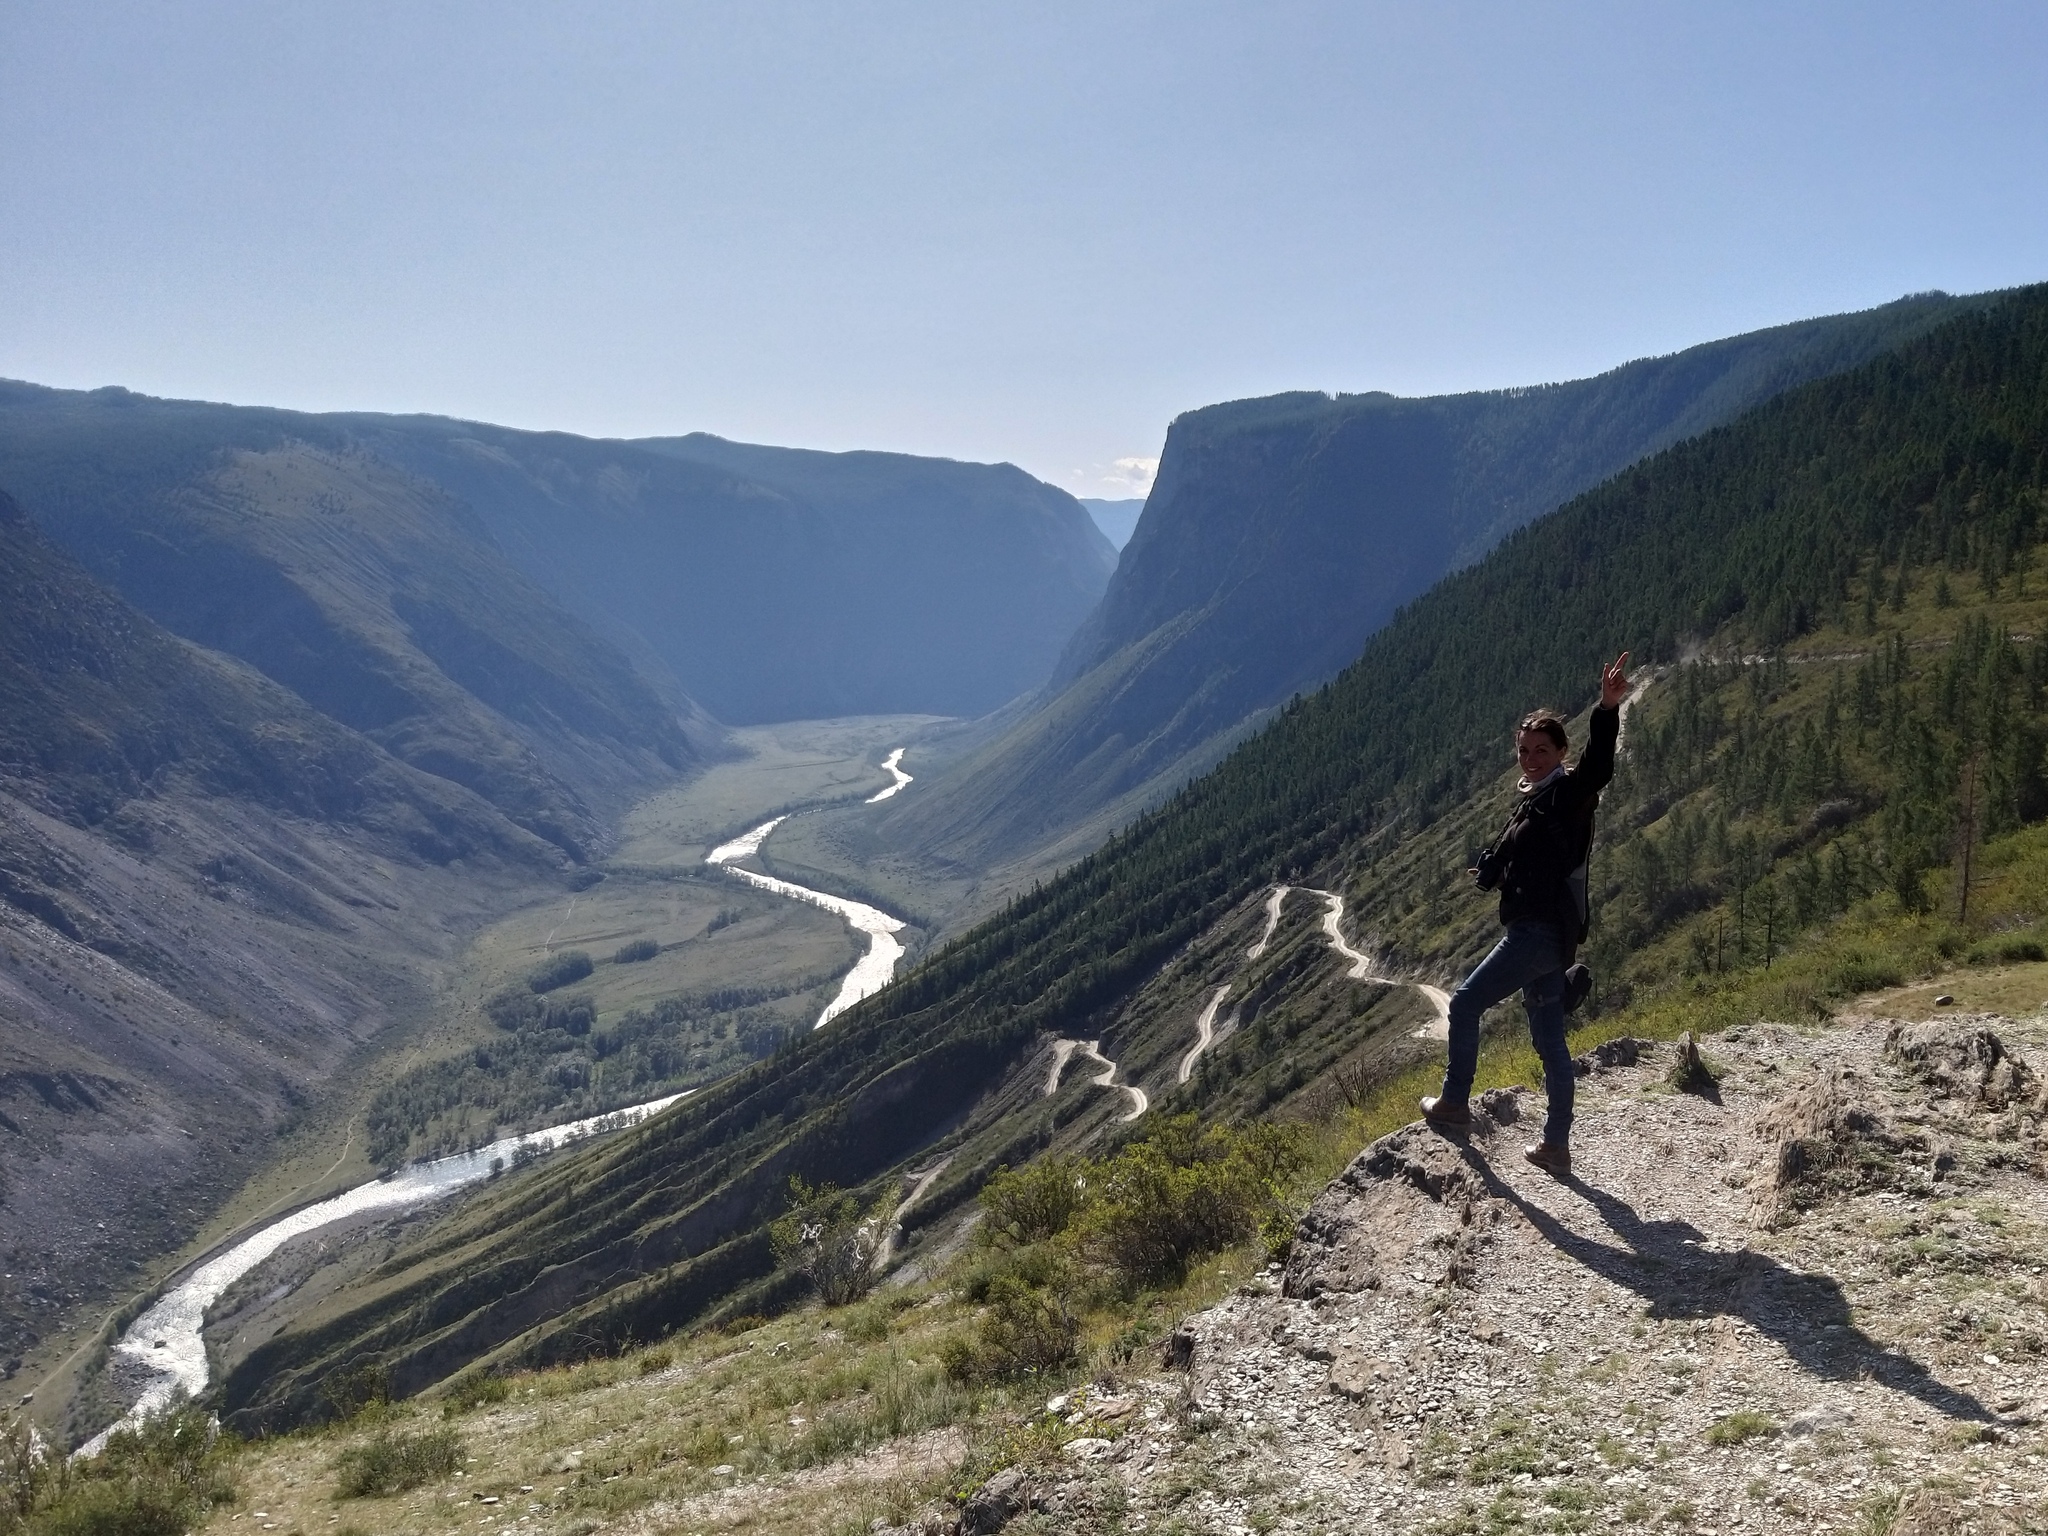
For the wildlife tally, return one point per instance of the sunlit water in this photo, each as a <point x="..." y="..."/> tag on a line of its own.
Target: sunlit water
<point x="166" y="1338"/>
<point x="893" y="763"/>
<point x="873" y="970"/>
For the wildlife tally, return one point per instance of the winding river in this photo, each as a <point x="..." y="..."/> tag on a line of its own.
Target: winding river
<point x="892" y="764"/>
<point x="874" y="969"/>
<point x="166" y="1339"/>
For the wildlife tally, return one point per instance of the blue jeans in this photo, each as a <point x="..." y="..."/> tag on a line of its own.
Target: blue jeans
<point x="1530" y="955"/>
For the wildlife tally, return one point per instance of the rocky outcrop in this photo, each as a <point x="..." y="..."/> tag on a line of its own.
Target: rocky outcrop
<point x="1411" y="1200"/>
<point x="1809" y="1299"/>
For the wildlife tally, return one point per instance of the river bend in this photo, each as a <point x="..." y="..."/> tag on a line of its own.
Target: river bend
<point x="166" y="1339"/>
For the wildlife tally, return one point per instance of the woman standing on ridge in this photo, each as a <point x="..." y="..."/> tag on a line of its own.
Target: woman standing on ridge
<point x="1539" y="864"/>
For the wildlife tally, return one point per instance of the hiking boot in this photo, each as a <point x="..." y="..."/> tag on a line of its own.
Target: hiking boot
<point x="1453" y="1115"/>
<point x="1551" y="1158"/>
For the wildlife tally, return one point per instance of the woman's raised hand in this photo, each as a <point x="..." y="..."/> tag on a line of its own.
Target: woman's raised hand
<point x="1614" y="682"/>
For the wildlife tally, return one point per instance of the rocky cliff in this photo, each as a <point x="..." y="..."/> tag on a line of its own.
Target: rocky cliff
<point x="1283" y="532"/>
<point x="1800" y="1293"/>
<point x="1804" y="1295"/>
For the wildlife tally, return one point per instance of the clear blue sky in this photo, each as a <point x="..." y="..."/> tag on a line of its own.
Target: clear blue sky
<point x="1032" y="232"/>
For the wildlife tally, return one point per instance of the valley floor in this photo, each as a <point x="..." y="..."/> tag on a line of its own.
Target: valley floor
<point x="742" y="959"/>
<point x="1807" y="1298"/>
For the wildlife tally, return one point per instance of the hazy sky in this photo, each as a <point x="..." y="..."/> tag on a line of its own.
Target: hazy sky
<point x="1032" y="232"/>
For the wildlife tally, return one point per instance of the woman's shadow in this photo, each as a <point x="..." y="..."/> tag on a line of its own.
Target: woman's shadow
<point x="1671" y="1265"/>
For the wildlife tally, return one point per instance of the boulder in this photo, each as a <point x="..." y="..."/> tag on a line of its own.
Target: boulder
<point x="996" y="1503"/>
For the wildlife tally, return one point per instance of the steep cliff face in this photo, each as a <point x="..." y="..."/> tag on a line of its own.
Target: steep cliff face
<point x="1283" y="532"/>
<point x="762" y="583"/>
<point x="780" y="583"/>
<point x="375" y="596"/>
<point x="211" y="895"/>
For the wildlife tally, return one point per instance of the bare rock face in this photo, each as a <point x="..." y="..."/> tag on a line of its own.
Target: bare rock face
<point x="1412" y="1200"/>
<point x="1831" y="1135"/>
<point x="1624" y="1051"/>
<point x="1354" y="1372"/>
<point x="996" y="1503"/>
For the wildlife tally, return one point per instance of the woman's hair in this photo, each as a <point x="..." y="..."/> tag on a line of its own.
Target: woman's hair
<point x="1548" y="722"/>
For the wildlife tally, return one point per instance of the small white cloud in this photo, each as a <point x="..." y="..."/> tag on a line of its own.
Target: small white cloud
<point x="1115" y="482"/>
<point x="1136" y="475"/>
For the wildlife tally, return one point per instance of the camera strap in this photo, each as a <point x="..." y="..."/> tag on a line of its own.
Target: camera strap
<point x="1525" y="807"/>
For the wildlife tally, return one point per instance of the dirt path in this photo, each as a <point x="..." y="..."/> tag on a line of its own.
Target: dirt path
<point x="1438" y="1028"/>
<point x="1064" y="1051"/>
<point x="894" y="1239"/>
<point x="1272" y="921"/>
<point x="1205" y="1028"/>
<point x="1061" y="1051"/>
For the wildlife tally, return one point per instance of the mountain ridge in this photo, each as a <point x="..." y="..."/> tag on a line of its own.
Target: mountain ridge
<point x="1919" y="472"/>
<point x="1282" y="531"/>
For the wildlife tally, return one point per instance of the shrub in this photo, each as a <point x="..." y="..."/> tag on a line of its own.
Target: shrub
<point x="106" y="1507"/>
<point x="575" y="1014"/>
<point x="1033" y="1203"/>
<point x="867" y="1325"/>
<point x="516" y="1008"/>
<point x="633" y="953"/>
<point x="1183" y="1193"/>
<point x="1036" y="1265"/>
<point x="1860" y="971"/>
<point x="655" y="1361"/>
<point x="396" y="1462"/>
<point x="158" y="1479"/>
<point x="513" y="1008"/>
<point x="958" y="1357"/>
<point x="473" y="1389"/>
<point x="2006" y="949"/>
<point x="1028" y="1330"/>
<point x="1152" y="1217"/>
<point x="559" y="970"/>
<point x="25" y="1470"/>
<point x="349" y="1392"/>
<point x="830" y="1240"/>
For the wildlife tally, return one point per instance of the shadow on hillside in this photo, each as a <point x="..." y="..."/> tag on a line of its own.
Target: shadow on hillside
<point x="1670" y="1266"/>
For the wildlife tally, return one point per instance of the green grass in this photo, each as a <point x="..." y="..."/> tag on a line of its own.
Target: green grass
<point x="1745" y="1424"/>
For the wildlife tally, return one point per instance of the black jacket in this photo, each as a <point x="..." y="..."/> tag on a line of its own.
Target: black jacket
<point x="1551" y="832"/>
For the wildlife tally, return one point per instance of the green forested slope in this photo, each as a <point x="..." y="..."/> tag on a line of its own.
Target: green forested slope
<point x="1870" y="515"/>
<point x="1283" y="532"/>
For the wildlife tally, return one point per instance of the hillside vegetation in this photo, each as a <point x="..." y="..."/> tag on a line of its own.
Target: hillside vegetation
<point x="1829" y="593"/>
<point x="374" y="596"/>
<point x="1283" y="532"/>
